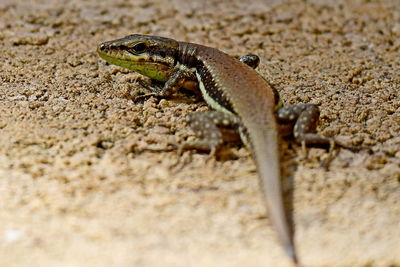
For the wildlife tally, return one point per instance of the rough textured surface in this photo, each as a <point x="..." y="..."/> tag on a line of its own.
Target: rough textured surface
<point x="77" y="189"/>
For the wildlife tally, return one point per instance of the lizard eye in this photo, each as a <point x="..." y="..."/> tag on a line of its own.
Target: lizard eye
<point x="139" y="47"/>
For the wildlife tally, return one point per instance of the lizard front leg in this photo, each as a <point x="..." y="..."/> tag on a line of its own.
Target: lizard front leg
<point x="179" y="78"/>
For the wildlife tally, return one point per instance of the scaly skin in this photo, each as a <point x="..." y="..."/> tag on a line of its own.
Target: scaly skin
<point x="227" y="85"/>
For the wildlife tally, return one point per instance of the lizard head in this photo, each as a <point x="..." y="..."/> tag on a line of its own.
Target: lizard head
<point x="151" y="56"/>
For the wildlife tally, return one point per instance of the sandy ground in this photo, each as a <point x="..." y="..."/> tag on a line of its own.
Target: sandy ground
<point x="78" y="189"/>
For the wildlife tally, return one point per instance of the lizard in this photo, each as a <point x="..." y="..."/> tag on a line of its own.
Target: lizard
<point x="238" y="96"/>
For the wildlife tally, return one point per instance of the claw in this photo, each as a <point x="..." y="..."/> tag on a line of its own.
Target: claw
<point x="145" y="97"/>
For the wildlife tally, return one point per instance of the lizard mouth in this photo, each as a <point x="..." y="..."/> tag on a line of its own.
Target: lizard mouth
<point x="143" y="64"/>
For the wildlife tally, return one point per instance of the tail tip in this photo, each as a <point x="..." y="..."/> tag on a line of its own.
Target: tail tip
<point x="291" y="252"/>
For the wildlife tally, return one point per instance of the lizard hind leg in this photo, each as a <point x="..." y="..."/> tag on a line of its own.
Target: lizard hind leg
<point x="305" y="118"/>
<point x="208" y="128"/>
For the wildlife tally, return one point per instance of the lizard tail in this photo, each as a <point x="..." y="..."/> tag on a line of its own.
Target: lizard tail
<point x="264" y="142"/>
